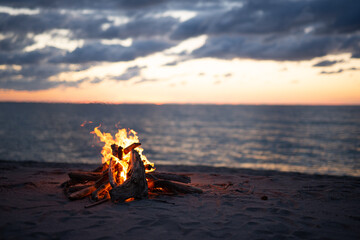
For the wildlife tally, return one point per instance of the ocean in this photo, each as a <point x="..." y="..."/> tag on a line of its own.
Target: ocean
<point x="307" y="139"/>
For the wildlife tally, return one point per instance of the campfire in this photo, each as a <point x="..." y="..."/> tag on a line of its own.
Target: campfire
<point x="125" y="174"/>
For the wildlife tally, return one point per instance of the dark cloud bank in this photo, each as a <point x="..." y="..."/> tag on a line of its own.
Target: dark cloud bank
<point x="257" y="29"/>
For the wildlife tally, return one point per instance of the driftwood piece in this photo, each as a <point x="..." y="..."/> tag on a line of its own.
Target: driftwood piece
<point x="169" y="176"/>
<point x="135" y="185"/>
<point x="101" y="168"/>
<point x="117" y="151"/>
<point x="78" y="187"/>
<point x="101" y="192"/>
<point x="68" y="183"/>
<point x="103" y="179"/>
<point x="131" y="147"/>
<point x="82" y="193"/>
<point x="172" y="187"/>
<point x="115" y="168"/>
<point x="113" y="172"/>
<point x="82" y="176"/>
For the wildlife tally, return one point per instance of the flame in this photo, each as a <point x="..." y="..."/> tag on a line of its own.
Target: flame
<point x="85" y="122"/>
<point x="123" y="138"/>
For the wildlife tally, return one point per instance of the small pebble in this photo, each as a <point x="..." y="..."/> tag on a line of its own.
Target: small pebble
<point x="264" y="198"/>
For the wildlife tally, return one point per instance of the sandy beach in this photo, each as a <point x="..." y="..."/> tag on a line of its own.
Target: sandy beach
<point x="236" y="204"/>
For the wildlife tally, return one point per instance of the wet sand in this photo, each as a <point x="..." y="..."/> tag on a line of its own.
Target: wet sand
<point x="236" y="204"/>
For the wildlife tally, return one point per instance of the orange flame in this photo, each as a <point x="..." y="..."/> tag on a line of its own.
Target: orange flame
<point x="85" y="122"/>
<point x="123" y="138"/>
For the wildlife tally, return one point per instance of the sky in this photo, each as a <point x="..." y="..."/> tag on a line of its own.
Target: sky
<point x="167" y="51"/>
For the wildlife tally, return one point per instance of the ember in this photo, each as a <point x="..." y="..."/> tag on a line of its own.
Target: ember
<point x="125" y="174"/>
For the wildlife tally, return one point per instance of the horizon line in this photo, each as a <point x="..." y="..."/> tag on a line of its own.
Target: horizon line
<point x="185" y="103"/>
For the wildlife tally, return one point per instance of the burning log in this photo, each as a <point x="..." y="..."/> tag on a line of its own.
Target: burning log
<point x="103" y="179"/>
<point x="101" y="193"/>
<point x="131" y="147"/>
<point x="135" y="185"/>
<point x="112" y="170"/>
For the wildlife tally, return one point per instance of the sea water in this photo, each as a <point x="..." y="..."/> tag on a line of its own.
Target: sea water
<point x="309" y="139"/>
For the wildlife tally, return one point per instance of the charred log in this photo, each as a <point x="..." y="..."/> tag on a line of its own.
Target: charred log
<point x="82" y="193"/>
<point x="131" y="147"/>
<point x="101" y="168"/>
<point x="114" y="170"/>
<point x="169" y="176"/>
<point x="78" y="187"/>
<point x="172" y="187"/>
<point x="101" y="192"/>
<point x="103" y="179"/>
<point x="136" y="185"/>
<point x="117" y="151"/>
<point x="81" y="176"/>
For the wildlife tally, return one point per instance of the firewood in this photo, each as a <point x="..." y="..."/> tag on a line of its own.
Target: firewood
<point x="113" y="167"/>
<point x="117" y="151"/>
<point x="82" y="193"/>
<point x="101" y="192"/>
<point x="135" y="185"/>
<point x="67" y="183"/>
<point x="169" y="176"/>
<point x="78" y="187"/>
<point x="103" y="179"/>
<point x="104" y="182"/>
<point x="173" y="187"/>
<point x="131" y="147"/>
<point x="101" y="168"/>
<point x="71" y="182"/>
<point x="81" y="176"/>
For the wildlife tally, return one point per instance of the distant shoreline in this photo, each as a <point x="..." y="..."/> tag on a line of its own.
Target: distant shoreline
<point x="188" y="104"/>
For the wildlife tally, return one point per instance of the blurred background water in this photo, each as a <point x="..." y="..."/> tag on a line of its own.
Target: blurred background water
<point x="310" y="139"/>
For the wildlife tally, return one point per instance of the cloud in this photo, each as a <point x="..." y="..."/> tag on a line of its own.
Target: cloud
<point x="139" y="3"/>
<point x="354" y="69"/>
<point x="143" y="80"/>
<point x="275" y="17"/>
<point x="111" y="53"/>
<point x="327" y="63"/>
<point x="80" y="4"/>
<point x="32" y="57"/>
<point x="173" y="63"/>
<point x="340" y="70"/>
<point x="136" y="28"/>
<point x="277" y="30"/>
<point x="33" y="77"/>
<point x="129" y="73"/>
<point x="293" y="47"/>
<point x="332" y="72"/>
<point x="48" y="20"/>
<point x="296" y="29"/>
<point x="15" y="42"/>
